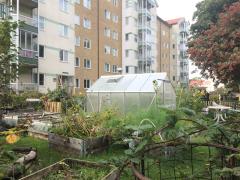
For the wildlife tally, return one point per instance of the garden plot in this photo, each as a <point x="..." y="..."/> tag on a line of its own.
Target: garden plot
<point x="73" y="169"/>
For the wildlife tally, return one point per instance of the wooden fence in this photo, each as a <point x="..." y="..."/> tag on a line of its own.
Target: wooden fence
<point x="54" y="107"/>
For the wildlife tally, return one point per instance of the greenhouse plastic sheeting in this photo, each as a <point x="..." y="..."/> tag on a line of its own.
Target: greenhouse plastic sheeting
<point x="128" y="92"/>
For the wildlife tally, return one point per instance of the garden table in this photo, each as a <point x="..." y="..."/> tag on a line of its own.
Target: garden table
<point x="219" y="112"/>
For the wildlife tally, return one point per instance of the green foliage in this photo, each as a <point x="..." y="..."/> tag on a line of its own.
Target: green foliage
<point x="191" y="99"/>
<point x="86" y="173"/>
<point x="207" y="14"/>
<point x="8" y="58"/>
<point x="18" y="101"/>
<point x="77" y="123"/>
<point x="57" y="95"/>
<point x="214" y="44"/>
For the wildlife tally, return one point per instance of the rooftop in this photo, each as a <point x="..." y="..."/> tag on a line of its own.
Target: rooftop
<point x="174" y="21"/>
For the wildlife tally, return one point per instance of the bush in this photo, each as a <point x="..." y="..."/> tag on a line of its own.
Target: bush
<point x="18" y="101"/>
<point x="57" y="95"/>
<point x="191" y="99"/>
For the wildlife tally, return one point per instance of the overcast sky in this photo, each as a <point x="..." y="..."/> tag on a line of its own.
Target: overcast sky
<point x="170" y="9"/>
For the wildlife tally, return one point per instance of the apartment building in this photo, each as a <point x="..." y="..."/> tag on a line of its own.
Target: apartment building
<point x="56" y="40"/>
<point x="180" y="33"/>
<point x="98" y="41"/>
<point x="167" y="60"/>
<point x="163" y="46"/>
<point x="25" y="11"/>
<point x="139" y="36"/>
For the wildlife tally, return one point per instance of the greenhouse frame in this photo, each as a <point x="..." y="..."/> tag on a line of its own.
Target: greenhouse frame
<point x="131" y="92"/>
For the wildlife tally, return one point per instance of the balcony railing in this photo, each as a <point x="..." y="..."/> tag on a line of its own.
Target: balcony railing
<point x="28" y="53"/>
<point x="28" y="20"/>
<point x="24" y="86"/>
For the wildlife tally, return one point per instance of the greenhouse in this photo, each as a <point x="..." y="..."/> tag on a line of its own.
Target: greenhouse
<point x="131" y="92"/>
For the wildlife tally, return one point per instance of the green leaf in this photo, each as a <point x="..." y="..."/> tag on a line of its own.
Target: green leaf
<point x="128" y="152"/>
<point x="141" y="146"/>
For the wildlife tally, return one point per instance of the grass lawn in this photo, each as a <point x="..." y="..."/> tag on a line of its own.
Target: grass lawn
<point x="47" y="156"/>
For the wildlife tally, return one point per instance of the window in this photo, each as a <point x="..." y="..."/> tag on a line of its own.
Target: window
<point x="126" y="53"/>
<point x="107" y="32"/>
<point x="128" y="3"/>
<point x="135" y="38"/>
<point x="86" y="23"/>
<point x="87" y="63"/>
<point x="77" y="41"/>
<point x="173" y="56"/>
<point x="114" y="52"/>
<point x="127" y="69"/>
<point x="77" y="83"/>
<point x="41" y="79"/>
<point x="77" y="1"/>
<point x="87" y="43"/>
<point x="28" y="41"/>
<point x="77" y="62"/>
<point x="173" y="46"/>
<point x="115" y="18"/>
<point x="63" y="30"/>
<point x="163" y="33"/>
<point x="173" y="78"/>
<point x="127" y="20"/>
<point x="41" y="51"/>
<point x="41" y="23"/>
<point x="115" y="2"/>
<point x="107" y="50"/>
<point x="87" y="83"/>
<point x="87" y="4"/>
<point x="77" y="20"/>
<point x="63" y="55"/>
<point x="107" y="14"/>
<point x="115" y="35"/>
<point x="114" y="69"/>
<point x="126" y="37"/>
<point x="63" y="5"/>
<point x="107" y="67"/>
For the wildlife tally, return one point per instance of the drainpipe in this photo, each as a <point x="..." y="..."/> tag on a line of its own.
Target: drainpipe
<point x="17" y="45"/>
<point x="98" y="34"/>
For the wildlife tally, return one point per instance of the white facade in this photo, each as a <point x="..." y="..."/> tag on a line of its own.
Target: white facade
<point x="26" y="39"/>
<point x="139" y="36"/>
<point x="56" y="44"/>
<point x="180" y="33"/>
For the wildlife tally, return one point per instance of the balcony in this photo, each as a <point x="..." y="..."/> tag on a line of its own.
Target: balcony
<point x="24" y="86"/>
<point x="27" y="20"/>
<point x="28" y="57"/>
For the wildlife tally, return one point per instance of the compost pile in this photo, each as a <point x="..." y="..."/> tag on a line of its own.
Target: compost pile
<point x="78" y="124"/>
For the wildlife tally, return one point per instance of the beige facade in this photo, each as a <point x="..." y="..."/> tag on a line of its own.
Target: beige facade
<point x="56" y="45"/>
<point x="167" y="50"/>
<point x="99" y="50"/>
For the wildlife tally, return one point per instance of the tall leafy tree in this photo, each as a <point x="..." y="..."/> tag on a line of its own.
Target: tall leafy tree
<point x="8" y="57"/>
<point x="215" y="45"/>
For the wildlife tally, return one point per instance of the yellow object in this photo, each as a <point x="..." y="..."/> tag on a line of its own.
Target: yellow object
<point x="12" y="138"/>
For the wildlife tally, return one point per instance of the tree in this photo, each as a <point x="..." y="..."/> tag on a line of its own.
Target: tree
<point x="216" y="50"/>
<point x="207" y="14"/>
<point x="8" y="58"/>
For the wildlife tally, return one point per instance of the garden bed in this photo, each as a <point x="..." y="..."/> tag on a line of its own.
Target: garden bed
<point x="75" y="169"/>
<point x="78" y="146"/>
<point x="37" y="134"/>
